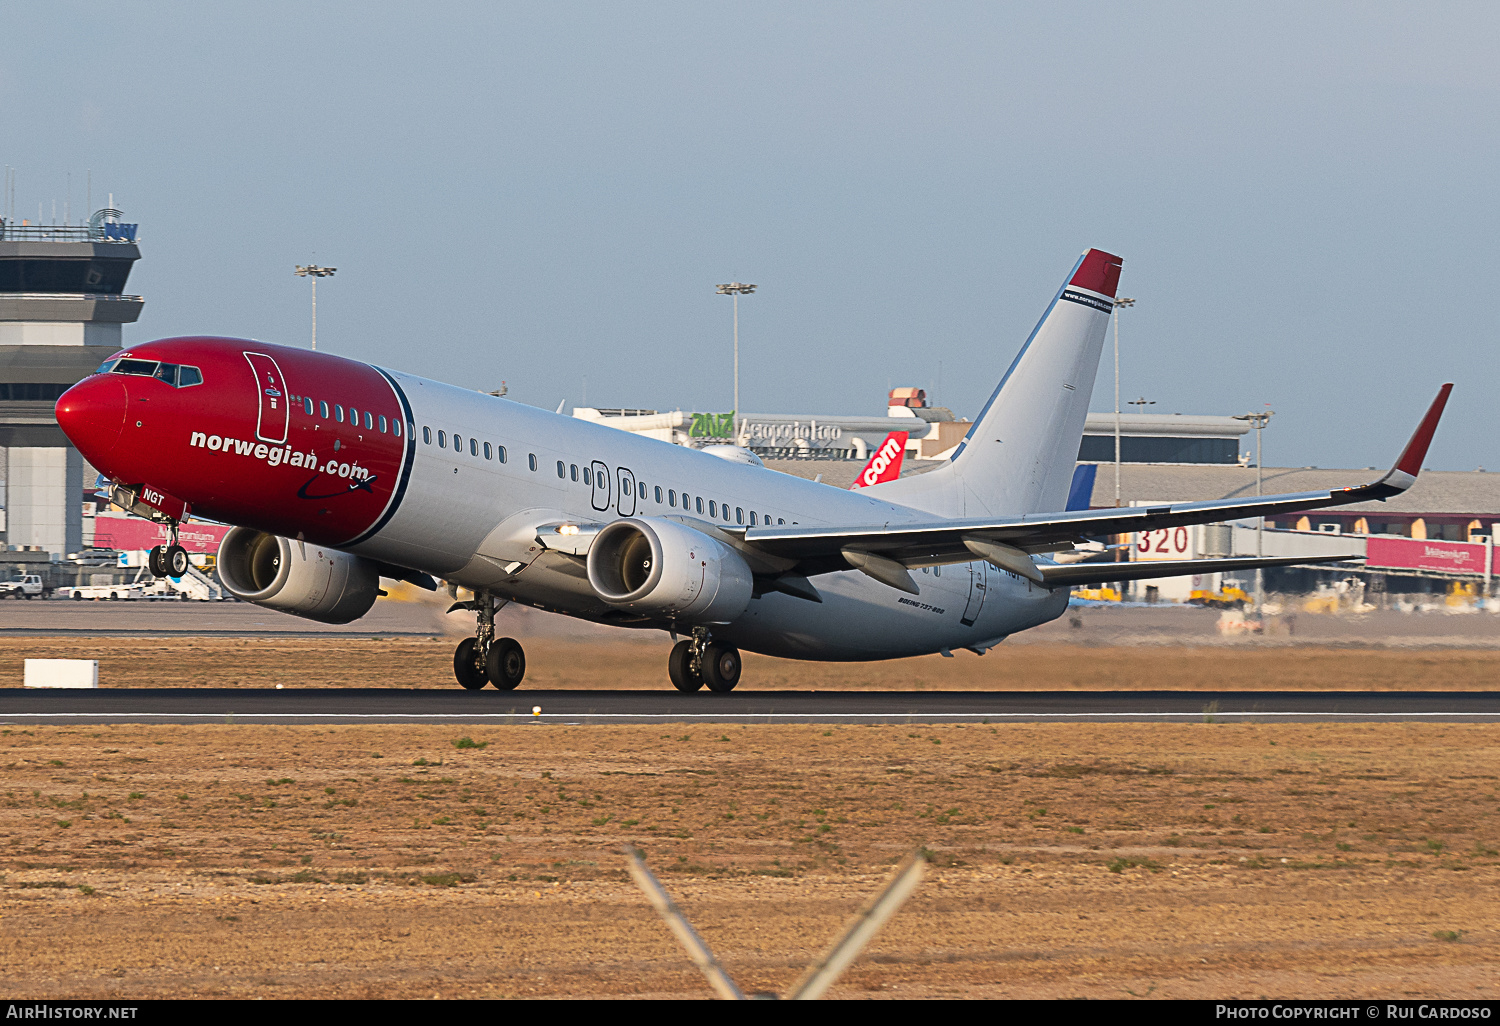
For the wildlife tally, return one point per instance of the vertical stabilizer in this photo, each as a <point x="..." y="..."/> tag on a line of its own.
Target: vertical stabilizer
<point x="1020" y="454"/>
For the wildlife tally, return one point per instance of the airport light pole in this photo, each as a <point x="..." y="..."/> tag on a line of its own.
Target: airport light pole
<point x="314" y="272"/>
<point x="736" y="289"/>
<point x="1258" y="421"/>
<point x="1120" y="304"/>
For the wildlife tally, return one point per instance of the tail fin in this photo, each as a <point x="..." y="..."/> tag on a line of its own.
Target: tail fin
<point x="1081" y="495"/>
<point x="1019" y="455"/>
<point x="885" y="464"/>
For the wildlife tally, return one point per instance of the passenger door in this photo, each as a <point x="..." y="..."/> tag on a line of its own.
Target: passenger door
<point x="627" y="493"/>
<point x="978" y="584"/>
<point x="271" y="388"/>
<point x="601" y="486"/>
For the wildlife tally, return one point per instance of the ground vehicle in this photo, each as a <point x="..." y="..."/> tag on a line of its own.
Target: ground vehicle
<point x="1230" y="595"/>
<point x="340" y="473"/>
<point x="23" y="586"/>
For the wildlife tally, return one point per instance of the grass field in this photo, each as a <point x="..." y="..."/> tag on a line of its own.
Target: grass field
<point x="1203" y="860"/>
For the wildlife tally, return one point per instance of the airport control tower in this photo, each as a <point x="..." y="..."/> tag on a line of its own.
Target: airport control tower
<point x="62" y="304"/>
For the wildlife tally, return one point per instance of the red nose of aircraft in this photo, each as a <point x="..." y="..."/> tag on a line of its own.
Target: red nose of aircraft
<point x="92" y="414"/>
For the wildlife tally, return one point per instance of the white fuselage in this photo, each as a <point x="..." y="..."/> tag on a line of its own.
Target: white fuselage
<point x="472" y="521"/>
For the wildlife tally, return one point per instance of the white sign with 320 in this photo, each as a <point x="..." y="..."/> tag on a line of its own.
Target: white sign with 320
<point x="1163" y="543"/>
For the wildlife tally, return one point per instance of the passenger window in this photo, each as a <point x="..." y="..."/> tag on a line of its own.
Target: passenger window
<point x="307" y="404"/>
<point x="474" y="447"/>
<point x="189" y="376"/>
<point x="458" y="444"/>
<point x="370" y="421"/>
<point x="739" y="515"/>
<point x="937" y="571"/>
<point x="353" y="417"/>
<point x="442" y="439"/>
<point x="642" y="491"/>
<point x="588" y="476"/>
<point x="324" y="408"/>
<point x="713" y="508"/>
<point x="725" y="508"/>
<point x="531" y="460"/>
<point x="396" y="427"/>
<point x="672" y="498"/>
<point x="573" y="471"/>
<point x="338" y="413"/>
<point x="658" y="495"/>
<point x="427" y="436"/>
<point x="780" y="521"/>
<point x="700" y="504"/>
<point x="488" y="452"/>
<point x="562" y="471"/>
<point x="752" y="518"/>
<point x="502" y="453"/>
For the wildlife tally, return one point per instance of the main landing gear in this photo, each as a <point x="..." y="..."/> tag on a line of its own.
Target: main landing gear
<point x="699" y="661"/>
<point x="168" y="560"/>
<point x="484" y="658"/>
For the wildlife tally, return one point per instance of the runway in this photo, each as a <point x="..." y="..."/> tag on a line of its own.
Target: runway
<point x="494" y="708"/>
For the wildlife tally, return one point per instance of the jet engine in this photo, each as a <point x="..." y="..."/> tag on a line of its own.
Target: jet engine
<point x="297" y="577"/>
<point x="666" y="569"/>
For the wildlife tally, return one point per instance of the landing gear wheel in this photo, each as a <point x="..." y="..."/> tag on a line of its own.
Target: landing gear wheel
<point x="506" y="664"/>
<point x="680" y="668"/>
<point x="721" y="666"/>
<point x="156" y="561"/>
<point x="465" y="668"/>
<point x="176" y="561"/>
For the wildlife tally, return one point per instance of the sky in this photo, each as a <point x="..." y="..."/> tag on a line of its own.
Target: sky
<point x="547" y="194"/>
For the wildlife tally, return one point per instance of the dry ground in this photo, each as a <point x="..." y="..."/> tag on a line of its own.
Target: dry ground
<point x="1204" y="860"/>
<point x="576" y="663"/>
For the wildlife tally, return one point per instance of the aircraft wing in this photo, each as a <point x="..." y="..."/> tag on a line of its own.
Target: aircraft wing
<point x="888" y="549"/>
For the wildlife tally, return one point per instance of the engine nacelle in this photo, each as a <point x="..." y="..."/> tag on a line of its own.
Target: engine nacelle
<point x="666" y="569"/>
<point x="297" y="577"/>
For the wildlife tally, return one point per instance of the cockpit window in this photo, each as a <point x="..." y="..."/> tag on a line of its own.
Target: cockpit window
<point x="106" y="366"/>
<point x="173" y="374"/>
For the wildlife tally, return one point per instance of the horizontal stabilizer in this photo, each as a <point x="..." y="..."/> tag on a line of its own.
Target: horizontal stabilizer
<point x="1097" y="573"/>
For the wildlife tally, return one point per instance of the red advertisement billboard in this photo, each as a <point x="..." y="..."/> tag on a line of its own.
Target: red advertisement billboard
<point x="1422" y="554"/>
<point x="126" y="533"/>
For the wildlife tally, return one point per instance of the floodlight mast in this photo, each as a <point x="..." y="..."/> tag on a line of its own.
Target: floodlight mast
<point x="1258" y="420"/>
<point x="314" y="272"/>
<point x="736" y="289"/>
<point x="1120" y="304"/>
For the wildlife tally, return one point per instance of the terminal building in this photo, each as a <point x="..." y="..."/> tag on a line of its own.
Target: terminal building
<point x="62" y="309"/>
<point x="933" y="432"/>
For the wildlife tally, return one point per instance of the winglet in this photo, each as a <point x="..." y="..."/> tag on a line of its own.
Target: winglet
<point x="1404" y="474"/>
<point x="1416" y="449"/>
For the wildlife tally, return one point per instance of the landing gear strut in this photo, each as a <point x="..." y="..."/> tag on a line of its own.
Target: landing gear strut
<point x="168" y="560"/>
<point x="484" y="658"/>
<point x="699" y="661"/>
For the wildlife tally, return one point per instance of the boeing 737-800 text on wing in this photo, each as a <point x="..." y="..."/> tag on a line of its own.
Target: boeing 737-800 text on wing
<point x="337" y="474"/>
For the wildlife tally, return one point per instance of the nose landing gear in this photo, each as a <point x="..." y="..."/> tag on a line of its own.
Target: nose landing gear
<point x="699" y="661"/>
<point x="484" y="658"/>
<point x="168" y="560"/>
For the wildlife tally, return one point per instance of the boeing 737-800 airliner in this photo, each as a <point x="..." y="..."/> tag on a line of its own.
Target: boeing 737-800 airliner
<point x="337" y="473"/>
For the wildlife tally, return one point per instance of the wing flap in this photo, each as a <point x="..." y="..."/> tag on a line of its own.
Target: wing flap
<point x="1073" y="574"/>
